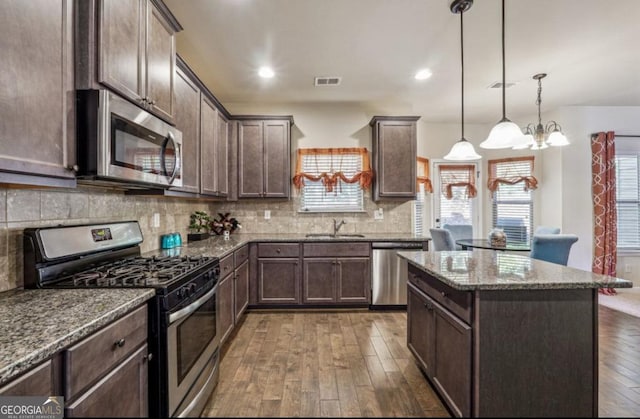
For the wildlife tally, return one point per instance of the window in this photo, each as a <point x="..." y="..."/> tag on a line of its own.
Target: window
<point x="628" y="195"/>
<point x="455" y="199"/>
<point x="316" y="196"/>
<point x="511" y="181"/>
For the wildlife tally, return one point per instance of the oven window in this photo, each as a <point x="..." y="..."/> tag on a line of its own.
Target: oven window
<point x="194" y="334"/>
<point x="138" y="148"/>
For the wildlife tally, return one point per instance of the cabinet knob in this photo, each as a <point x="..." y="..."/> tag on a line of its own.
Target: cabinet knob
<point x="278" y="250"/>
<point x="226" y="268"/>
<point x="148" y="357"/>
<point x="143" y="100"/>
<point x="444" y="294"/>
<point x="428" y="306"/>
<point x="119" y="343"/>
<point x="151" y="101"/>
<point x="73" y="168"/>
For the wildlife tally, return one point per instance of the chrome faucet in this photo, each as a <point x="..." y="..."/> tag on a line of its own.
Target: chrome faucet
<point x="336" y="226"/>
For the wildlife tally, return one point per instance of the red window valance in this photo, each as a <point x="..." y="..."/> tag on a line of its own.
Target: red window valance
<point x="330" y="178"/>
<point x="423" y="175"/>
<point x="458" y="175"/>
<point x="510" y="171"/>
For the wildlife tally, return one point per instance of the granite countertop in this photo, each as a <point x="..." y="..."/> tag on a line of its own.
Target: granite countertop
<point x="495" y="270"/>
<point x="35" y="324"/>
<point x="216" y="246"/>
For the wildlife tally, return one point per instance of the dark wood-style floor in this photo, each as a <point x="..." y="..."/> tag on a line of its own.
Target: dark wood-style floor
<point x="356" y="363"/>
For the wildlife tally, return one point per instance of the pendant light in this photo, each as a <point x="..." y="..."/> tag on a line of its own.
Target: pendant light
<point x="462" y="150"/>
<point x="505" y="134"/>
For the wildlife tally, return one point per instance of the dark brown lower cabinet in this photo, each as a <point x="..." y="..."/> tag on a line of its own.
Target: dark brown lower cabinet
<point x="39" y="381"/>
<point x="224" y="309"/>
<point x="442" y="345"/>
<point x="241" y="290"/>
<point x="336" y="280"/>
<point x="278" y="281"/>
<point x="121" y="393"/>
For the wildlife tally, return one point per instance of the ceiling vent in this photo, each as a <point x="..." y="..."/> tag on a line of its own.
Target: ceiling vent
<point x="498" y="85"/>
<point x="327" y="81"/>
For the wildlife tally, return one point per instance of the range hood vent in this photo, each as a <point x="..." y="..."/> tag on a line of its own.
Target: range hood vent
<point x="327" y="81"/>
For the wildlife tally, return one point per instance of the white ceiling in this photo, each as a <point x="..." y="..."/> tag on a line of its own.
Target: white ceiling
<point x="589" y="48"/>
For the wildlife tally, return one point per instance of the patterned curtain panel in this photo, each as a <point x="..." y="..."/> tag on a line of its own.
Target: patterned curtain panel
<point x="459" y="175"/>
<point x="603" y="186"/>
<point x="331" y="177"/>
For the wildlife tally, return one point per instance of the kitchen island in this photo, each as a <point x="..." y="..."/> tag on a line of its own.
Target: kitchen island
<point x="500" y="334"/>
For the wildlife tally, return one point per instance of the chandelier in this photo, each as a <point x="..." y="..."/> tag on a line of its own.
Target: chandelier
<point x="536" y="134"/>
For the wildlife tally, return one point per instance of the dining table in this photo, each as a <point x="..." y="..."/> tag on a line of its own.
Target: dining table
<point x="468" y="244"/>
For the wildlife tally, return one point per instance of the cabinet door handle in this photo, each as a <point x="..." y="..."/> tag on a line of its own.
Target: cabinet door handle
<point x="119" y="343"/>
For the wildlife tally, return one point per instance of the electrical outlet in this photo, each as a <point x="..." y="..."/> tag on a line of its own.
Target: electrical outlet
<point x="155" y="220"/>
<point x="378" y="214"/>
<point x="627" y="268"/>
<point x="267" y="214"/>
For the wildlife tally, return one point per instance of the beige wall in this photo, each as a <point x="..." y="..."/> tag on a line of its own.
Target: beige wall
<point x="22" y="208"/>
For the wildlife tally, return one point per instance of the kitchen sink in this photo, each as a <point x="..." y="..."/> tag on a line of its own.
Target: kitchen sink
<point x="331" y="236"/>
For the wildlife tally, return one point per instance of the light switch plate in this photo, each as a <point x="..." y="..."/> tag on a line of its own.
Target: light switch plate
<point x="267" y="214"/>
<point x="378" y="214"/>
<point x="155" y="220"/>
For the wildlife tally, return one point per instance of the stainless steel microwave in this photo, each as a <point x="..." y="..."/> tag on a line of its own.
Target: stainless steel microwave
<point x="120" y="143"/>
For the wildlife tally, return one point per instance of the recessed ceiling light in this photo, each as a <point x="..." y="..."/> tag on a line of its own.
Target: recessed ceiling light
<point x="423" y="74"/>
<point x="266" y="72"/>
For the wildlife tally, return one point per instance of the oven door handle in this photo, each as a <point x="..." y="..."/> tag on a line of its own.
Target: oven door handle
<point x="184" y="312"/>
<point x="176" y="166"/>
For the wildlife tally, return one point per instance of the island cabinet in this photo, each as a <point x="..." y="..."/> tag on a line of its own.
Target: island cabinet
<point x="509" y="339"/>
<point x="37" y="112"/>
<point x="276" y="274"/>
<point x="128" y="46"/>
<point x="264" y="157"/>
<point x="394" y="156"/>
<point x="336" y="273"/>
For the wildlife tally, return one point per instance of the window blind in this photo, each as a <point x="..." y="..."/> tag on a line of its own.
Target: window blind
<point x="512" y="204"/>
<point x="628" y="201"/>
<point x="345" y="197"/>
<point x="457" y="189"/>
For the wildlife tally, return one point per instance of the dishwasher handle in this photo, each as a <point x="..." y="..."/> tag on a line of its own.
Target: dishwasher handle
<point x="398" y="245"/>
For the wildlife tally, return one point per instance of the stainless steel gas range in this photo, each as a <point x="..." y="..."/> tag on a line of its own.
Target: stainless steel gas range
<point x="182" y="326"/>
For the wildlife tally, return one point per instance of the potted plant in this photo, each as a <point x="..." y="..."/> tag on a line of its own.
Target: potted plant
<point x="199" y="226"/>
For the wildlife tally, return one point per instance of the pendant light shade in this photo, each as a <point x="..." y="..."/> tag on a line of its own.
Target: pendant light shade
<point x="505" y="134"/>
<point x="462" y="150"/>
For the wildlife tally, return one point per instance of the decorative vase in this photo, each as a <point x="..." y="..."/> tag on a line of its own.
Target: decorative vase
<point x="497" y="237"/>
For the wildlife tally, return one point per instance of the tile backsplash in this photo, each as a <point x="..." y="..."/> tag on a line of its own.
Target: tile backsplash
<point x="23" y="208"/>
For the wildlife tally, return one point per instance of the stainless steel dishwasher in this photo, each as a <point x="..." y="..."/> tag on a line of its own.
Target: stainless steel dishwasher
<point x="389" y="273"/>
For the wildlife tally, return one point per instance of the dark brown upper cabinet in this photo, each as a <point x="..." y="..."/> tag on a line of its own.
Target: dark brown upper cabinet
<point x="214" y="158"/>
<point x="264" y="157"/>
<point x="37" y="113"/>
<point x="187" y="119"/>
<point x="129" y="46"/>
<point x="394" y="156"/>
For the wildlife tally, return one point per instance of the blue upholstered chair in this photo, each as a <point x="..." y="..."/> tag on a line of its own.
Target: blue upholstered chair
<point x="459" y="231"/>
<point x="552" y="248"/>
<point x="547" y="230"/>
<point x="441" y="239"/>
